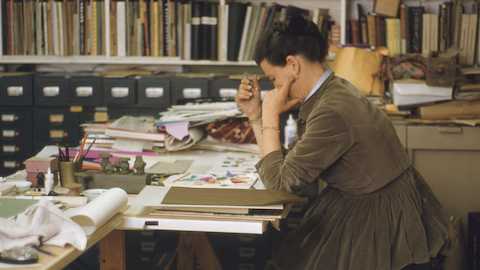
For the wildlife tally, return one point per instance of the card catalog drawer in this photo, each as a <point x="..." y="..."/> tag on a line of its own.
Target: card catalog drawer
<point x="224" y="88"/>
<point x="119" y="91"/>
<point x="86" y="90"/>
<point x="55" y="117"/>
<point x="184" y="89"/>
<point x="16" y="90"/>
<point x="15" y="149"/>
<point x="153" y="92"/>
<point x="9" y="165"/>
<point x="51" y="90"/>
<point x="18" y="118"/>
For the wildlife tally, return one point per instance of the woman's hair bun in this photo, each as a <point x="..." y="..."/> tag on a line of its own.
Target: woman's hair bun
<point x="299" y="25"/>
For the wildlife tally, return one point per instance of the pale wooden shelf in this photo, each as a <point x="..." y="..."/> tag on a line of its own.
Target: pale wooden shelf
<point x="129" y="60"/>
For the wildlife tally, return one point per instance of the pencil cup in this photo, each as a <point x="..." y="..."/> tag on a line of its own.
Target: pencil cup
<point x="67" y="178"/>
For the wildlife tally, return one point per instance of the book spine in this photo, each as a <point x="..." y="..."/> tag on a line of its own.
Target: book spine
<point x="188" y="31"/>
<point x="196" y="19"/>
<point x="416" y="17"/>
<point x="212" y="22"/>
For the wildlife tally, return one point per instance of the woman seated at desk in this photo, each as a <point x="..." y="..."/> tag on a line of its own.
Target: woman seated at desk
<point x="377" y="212"/>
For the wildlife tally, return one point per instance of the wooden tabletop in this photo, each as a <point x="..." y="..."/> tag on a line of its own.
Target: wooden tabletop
<point x="64" y="256"/>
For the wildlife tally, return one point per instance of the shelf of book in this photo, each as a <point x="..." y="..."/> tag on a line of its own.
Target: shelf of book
<point x="128" y="60"/>
<point x="153" y="32"/>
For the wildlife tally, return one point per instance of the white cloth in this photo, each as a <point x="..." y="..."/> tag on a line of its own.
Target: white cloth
<point x="42" y="220"/>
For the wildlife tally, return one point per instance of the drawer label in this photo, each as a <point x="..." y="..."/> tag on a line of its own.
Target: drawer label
<point x="10" y="164"/>
<point x="57" y="134"/>
<point x="100" y="117"/>
<point x="15" y="91"/>
<point x="9" y="117"/>
<point x="119" y="92"/>
<point x="84" y="91"/>
<point x="56" y="118"/>
<point x="8" y="133"/>
<point x="154" y="92"/>
<point x="9" y="148"/>
<point x="227" y="92"/>
<point x="51" y="91"/>
<point x="192" y="93"/>
<point x="76" y="109"/>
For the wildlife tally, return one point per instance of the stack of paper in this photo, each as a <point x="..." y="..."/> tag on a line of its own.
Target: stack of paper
<point x="411" y="93"/>
<point x="198" y="114"/>
<point x="127" y="134"/>
<point x="225" y="201"/>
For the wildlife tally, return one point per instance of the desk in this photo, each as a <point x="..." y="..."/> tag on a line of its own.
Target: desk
<point x="114" y="259"/>
<point x="64" y="256"/>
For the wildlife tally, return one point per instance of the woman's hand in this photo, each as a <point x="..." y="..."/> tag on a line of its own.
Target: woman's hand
<point x="248" y="98"/>
<point x="276" y="101"/>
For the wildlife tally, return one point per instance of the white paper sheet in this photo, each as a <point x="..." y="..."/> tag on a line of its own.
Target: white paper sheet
<point x="100" y="210"/>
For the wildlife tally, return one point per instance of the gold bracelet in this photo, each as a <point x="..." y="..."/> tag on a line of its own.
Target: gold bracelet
<point x="271" y="128"/>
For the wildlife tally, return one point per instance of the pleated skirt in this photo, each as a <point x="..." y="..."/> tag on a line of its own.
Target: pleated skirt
<point x="401" y="224"/>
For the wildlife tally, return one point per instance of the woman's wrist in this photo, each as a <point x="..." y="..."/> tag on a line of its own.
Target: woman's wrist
<point x="271" y="120"/>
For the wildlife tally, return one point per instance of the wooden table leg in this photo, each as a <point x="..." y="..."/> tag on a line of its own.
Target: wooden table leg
<point x="112" y="251"/>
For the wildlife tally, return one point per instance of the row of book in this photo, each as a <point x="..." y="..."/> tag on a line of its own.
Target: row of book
<point x="170" y="28"/>
<point x="417" y="29"/>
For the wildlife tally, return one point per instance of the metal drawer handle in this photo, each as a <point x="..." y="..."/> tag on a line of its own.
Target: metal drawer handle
<point x="51" y="91"/>
<point x="84" y="91"/>
<point x="450" y="130"/>
<point x="9" y="117"/>
<point x="15" y="91"/>
<point x="10" y="149"/>
<point x="227" y="92"/>
<point x="154" y="92"/>
<point x="10" y="164"/>
<point x="192" y="93"/>
<point x="120" y="92"/>
<point x="9" y="133"/>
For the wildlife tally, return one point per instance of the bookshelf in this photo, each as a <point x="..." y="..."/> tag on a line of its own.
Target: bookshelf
<point x="105" y="54"/>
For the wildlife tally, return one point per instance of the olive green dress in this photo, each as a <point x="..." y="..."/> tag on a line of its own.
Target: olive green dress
<point x="377" y="212"/>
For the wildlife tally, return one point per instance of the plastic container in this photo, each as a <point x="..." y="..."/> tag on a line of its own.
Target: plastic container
<point x="290" y="132"/>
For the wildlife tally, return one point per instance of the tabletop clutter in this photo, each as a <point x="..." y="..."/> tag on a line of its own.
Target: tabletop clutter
<point x="191" y="162"/>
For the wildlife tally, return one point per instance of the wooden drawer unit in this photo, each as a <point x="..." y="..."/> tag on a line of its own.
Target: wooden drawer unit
<point x="449" y="158"/>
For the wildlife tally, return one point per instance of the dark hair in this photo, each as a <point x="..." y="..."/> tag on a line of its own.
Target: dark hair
<point x="296" y="35"/>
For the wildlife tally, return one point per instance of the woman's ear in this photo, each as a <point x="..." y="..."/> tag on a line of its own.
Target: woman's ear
<point x="293" y="64"/>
